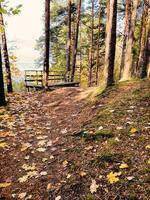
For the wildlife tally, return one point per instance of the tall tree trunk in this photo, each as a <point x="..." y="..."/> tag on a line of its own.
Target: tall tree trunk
<point x="69" y="42"/>
<point x="141" y="64"/>
<point x="76" y="41"/>
<point x="91" y="48"/>
<point x="110" y="41"/>
<point x="147" y="56"/>
<point x="47" y="41"/>
<point x="98" y="38"/>
<point x="126" y="32"/>
<point x="128" y="60"/>
<point x="2" y="92"/>
<point x="6" y="56"/>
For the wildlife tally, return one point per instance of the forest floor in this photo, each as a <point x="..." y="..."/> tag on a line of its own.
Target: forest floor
<point x="60" y="145"/>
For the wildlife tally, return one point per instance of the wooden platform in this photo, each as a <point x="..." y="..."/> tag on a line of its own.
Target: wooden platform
<point x="57" y="79"/>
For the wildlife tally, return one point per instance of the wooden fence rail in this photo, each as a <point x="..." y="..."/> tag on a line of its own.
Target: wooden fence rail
<point x="35" y="79"/>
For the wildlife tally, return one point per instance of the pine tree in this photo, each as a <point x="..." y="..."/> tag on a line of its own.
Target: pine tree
<point x="2" y="92"/>
<point x="130" y="21"/>
<point x="47" y="40"/>
<point x="110" y="41"/>
<point x="76" y="41"/>
<point x="142" y="63"/>
<point x="6" y="56"/>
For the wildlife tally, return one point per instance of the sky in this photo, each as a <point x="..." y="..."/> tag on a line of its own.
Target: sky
<point x="24" y="29"/>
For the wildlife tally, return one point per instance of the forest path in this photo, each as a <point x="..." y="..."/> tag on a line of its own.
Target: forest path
<point x="41" y="156"/>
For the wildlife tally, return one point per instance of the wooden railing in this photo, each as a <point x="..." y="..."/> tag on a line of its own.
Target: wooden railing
<point x="35" y="79"/>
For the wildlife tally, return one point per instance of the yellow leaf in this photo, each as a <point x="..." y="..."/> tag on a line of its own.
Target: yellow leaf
<point x="10" y="125"/>
<point x="29" y="167"/>
<point x="2" y="29"/>
<point x="112" y="177"/>
<point x="82" y="174"/>
<point x="3" y="185"/>
<point x="148" y="146"/>
<point x="123" y="166"/>
<point x="25" y="146"/>
<point x="65" y="163"/>
<point x="148" y="162"/>
<point x="7" y="134"/>
<point x="3" y="145"/>
<point x="133" y="130"/>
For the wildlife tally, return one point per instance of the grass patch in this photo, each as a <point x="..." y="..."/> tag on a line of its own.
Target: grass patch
<point x="103" y="134"/>
<point x="107" y="157"/>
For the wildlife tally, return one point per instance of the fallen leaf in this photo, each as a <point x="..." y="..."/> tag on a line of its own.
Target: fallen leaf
<point x="148" y="162"/>
<point x="68" y="176"/>
<point x="29" y="167"/>
<point x="42" y="143"/>
<point x="130" y="178"/>
<point x="49" y="144"/>
<point x="44" y="159"/>
<point x="112" y="177"/>
<point x="25" y="146"/>
<point x="93" y="187"/>
<point x="49" y="187"/>
<point x="148" y="146"/>
<point x="82" y="173"/>
<point x="51" y="157"/>
<point x="133" y="130"/>
<point x="10" y="125"/>
<point x="43" y="173"/>
<point x="41" y="149"/>
<point x="7" y="134"/>
<point x="3" y="185"/>
<point x="41" y="137"/>
<point x="119" y="127"/>
<point x="64" y="131"/>
<point x="123" y="166"/>
<point x="23" y="179"/>
<point x="58" y="198"/>
<point x="65" y="163"/>
<point x="22" y="195"/>
<point x="27" y="157"/>
<point x="89" y="148"/>
<point x="100" y="128"/>
<point x="28" y="197"/>
<point x="31" y="174"/>
<point x="3" y="145"/>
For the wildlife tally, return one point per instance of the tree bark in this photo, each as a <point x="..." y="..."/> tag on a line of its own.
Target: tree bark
<point x="128" y="60"/>
<point x="2" y="92"/>
<point x="6" y="56"/>
<point x="91" y="47"/>
<point x="69" y="42"/>
<point x="126" y="32"/>
<point x="76" y="41"/>
<point x="143" y="54"/>
<point x="110" y="41"/>
<point x="47" y="41"/>
<point x="97" y="57"/>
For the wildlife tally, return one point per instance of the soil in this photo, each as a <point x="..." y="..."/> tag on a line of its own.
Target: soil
<point x="64" y="141"/>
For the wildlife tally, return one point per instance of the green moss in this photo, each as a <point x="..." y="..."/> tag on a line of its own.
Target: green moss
<point x="103" y="134"/>
<point x="89" y="197"/>
<point x="107" y="157"/>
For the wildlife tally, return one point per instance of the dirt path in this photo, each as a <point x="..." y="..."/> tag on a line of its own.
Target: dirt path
<point x="40" y="124"/>
<point x="40" y="157"/>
